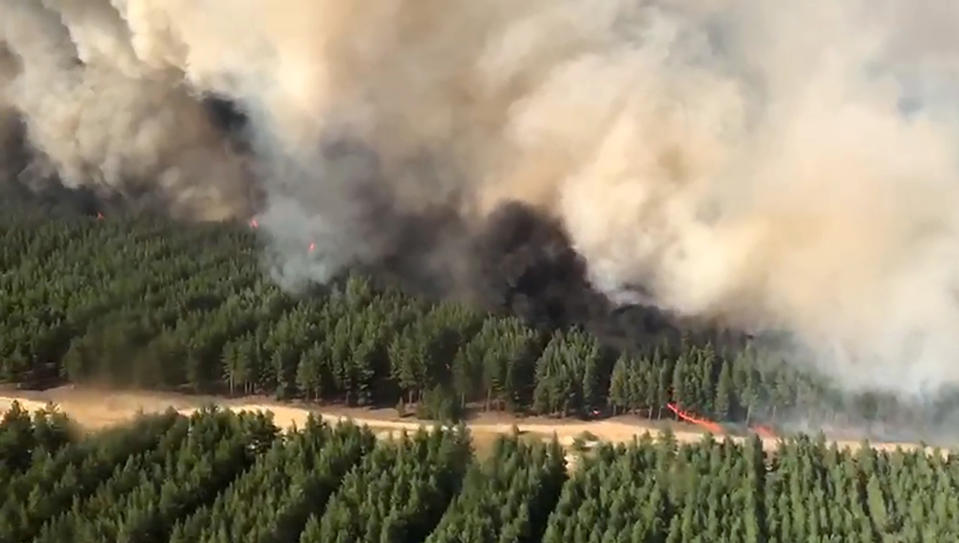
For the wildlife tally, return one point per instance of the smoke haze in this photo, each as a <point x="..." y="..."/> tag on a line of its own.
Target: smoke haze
<point x="770" y="166"/>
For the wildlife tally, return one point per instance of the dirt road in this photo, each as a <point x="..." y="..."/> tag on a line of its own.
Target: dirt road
<point x="94" y="409"/>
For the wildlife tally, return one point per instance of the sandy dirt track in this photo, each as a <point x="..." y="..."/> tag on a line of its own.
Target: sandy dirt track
<point x="94" y="409"/>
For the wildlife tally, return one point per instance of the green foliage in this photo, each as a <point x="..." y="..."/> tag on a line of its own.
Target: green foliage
<point x="21" y="437"/>
<point x="143" y="499"/>
<point x="146" y="302"/>
<point x="508" y="498"/>
<point x="217" y="476"/>
<point x="398" y="493"/>
<point x="440" y="404"/>
<point x="710" y="491"/>
<point x="569" y="374"/>
<point x="56" y="480"/>
<point x="292" y="480"/>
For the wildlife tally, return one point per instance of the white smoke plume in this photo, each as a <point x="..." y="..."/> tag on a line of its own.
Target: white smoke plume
<point x="771" y="165"/>
<point x="103" y="119"/>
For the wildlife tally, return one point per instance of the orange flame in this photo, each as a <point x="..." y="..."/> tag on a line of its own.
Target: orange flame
<point x="764" y="431"/>
<point x="312" y="247"/>
<point x="707" y="424"/>
<point x="254" y="224"/>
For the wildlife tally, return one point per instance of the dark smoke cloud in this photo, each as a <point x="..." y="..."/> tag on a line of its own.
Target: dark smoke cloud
<point x="525" y="262"/>
<point x="714" y="159"/>
<point x="518" y="259"/>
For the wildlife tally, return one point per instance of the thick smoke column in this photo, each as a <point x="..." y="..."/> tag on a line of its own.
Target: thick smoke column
<point x="791" y="166"/>
<point x="100" y="118"/>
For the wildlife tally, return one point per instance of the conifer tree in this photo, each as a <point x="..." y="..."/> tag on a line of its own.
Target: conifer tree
<point x="723" y="401"/>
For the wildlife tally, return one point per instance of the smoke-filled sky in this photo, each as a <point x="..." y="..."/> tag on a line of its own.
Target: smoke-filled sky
<point x="770" y="165"/>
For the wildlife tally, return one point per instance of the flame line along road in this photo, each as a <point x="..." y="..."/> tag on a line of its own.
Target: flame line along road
<point x="94" y="409"/>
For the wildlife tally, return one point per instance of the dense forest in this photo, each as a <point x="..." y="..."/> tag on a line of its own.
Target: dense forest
<point x="218" y="476"/>
<point x="148" y="302"/>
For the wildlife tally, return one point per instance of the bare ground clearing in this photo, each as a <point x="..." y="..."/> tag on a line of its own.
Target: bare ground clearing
<point x="95" y="408"/>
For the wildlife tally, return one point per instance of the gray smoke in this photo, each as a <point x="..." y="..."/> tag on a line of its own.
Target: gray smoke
<point x="788" y="166"/>
<point x="99" y="118"/>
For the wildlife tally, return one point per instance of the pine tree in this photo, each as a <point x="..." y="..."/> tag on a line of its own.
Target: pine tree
<point x="679" y="383"/>
<point x="722" y="404"/>
<point x="619" y="386"/>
